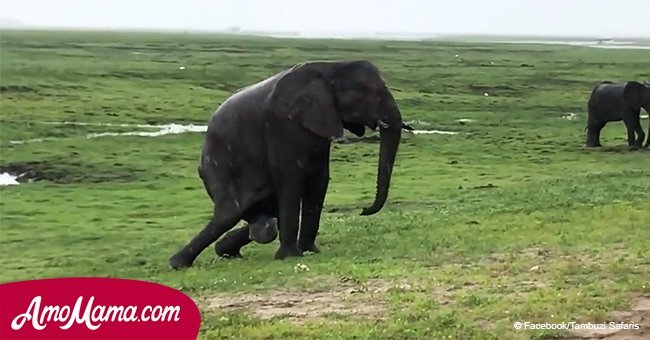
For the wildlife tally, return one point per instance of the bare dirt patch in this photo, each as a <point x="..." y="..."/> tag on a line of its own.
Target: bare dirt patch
<point x="622" y="322"/>
<point x="350" y="298"/>
<point x="639" y="314"/>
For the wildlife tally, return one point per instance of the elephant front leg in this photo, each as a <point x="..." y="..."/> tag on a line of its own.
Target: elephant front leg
<point x="289" y="193"/>
<point x="640" y="134"/>
<point x="631" y="142"/>
<point x="647" y="143"/>
<point x="633" y="125"/>
<point x="312" y="206"/>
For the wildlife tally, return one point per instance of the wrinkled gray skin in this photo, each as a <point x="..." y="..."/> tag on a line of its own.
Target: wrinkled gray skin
<point x="266" y="154"/>
<point x="610" y="102"/>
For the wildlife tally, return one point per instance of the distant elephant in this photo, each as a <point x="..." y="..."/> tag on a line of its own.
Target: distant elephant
<point x="265" y="157"/>
<point x="610" y="102"/>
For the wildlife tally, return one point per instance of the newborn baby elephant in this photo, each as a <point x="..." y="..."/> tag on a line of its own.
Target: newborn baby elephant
<point x="263" y="230"/>
<point x="610" y="102"/>
<point x="265" y="157"/>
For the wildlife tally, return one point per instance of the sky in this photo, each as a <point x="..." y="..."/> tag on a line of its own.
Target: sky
<point x="599" y="18"/>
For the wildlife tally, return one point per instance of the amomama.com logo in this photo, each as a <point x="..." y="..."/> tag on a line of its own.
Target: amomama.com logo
<point x="92" y="316"/>
<point x="98" y="308"/>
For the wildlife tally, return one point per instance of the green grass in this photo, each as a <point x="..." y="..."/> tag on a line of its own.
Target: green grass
<point x="511" y="219"/>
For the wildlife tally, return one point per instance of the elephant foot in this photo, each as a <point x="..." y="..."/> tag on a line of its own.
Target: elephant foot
<point x="291" y="251"/>
<point x="180" y="261"/>
<point x="264" y="230"/>
<point x="229" y="254"/>
<point x="311" y="247"/>
<point x="229" y="245"/>
<point x="593" y="145"/>
<point x="633" y="147"/>
<point x="223" y="249"/>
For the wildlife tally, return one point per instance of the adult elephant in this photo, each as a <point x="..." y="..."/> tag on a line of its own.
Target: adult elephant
<point x="267" y="147"/>
<point x="610" y="102"/>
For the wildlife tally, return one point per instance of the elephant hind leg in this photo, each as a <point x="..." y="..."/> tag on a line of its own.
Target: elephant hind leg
<point x="222" y="221"/>
<point x="635" y="134"/>
<point x="229" y="246"/>
<point x="261" y="227"/>
<point x="640" y="134"/>
<point x="593" y="134"/>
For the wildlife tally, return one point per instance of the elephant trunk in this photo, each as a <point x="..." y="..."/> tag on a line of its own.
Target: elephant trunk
<point x="389" y="143"/>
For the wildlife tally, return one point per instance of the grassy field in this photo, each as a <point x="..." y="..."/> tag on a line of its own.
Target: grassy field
<point x="511" y="219"/>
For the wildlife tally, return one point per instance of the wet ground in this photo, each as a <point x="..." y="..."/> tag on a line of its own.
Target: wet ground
<point x="16" y="173"/>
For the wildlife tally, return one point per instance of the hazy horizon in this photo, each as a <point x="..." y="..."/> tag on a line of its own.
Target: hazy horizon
<point x="577" y="18"/>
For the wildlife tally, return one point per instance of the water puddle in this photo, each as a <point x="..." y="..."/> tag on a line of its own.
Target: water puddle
<point x="33" y="140"/>
<point x="12" y="177"/>
<point x="8" y="179"/>
<point x="168" y="129"/>
<point x="158" y="130"/>
<point x="575" y="116"/>
<point x="595" y="44"/>
<point x="570" y="116"/>
<point x="100" y="124"/>
<point x="434" y="132"/>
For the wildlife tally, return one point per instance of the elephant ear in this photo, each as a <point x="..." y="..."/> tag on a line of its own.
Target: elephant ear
<point x="633" y="94"/>
<point x="304" y="95"/>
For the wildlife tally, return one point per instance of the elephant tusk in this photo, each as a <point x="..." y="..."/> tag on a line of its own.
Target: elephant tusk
<point x="382" y="124"/>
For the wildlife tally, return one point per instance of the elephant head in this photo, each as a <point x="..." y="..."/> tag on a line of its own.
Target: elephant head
<point x="637" y="95"/>
<point x="327" y="97"/>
